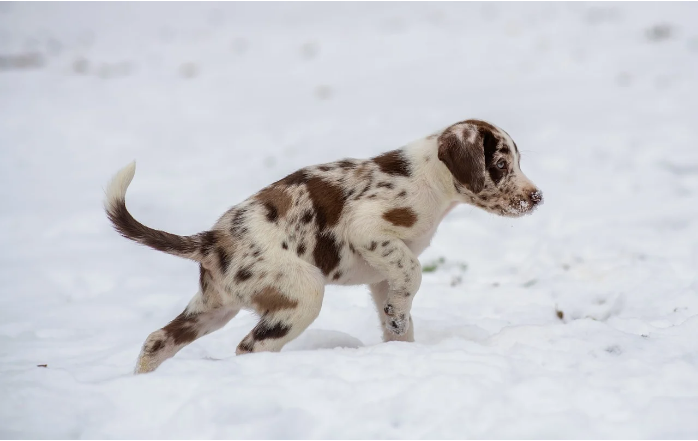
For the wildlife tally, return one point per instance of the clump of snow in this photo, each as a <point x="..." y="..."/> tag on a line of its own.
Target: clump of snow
<point x="578" y="321"/>
<point x="519" y="207"/>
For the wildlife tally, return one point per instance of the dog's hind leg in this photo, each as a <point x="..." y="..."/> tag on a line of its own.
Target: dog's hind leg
<point x="205" y="313"/>
<point x="286" y="308"/>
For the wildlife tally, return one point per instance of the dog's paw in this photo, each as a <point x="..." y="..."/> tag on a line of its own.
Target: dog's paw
<point x="396" y="323"/>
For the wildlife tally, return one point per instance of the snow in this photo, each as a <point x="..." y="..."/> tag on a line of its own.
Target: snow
<point x="579" y="321"/>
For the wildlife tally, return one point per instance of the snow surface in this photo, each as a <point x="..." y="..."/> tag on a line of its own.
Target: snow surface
<point x="217" y="100"/>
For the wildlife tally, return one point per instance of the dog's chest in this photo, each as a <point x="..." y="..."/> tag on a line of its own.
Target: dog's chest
<point x="356" y="271"/>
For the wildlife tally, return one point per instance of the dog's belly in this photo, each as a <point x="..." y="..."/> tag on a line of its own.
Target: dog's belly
<point x="358" y="272"/>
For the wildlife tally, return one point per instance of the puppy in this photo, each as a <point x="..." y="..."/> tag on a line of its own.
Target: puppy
<point x="348" y="222"/>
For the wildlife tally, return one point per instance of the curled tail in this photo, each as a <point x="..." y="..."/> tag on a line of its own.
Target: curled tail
<point x="190" y="247"/>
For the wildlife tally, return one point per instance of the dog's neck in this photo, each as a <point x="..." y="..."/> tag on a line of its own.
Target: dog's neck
<point x="429" y="169"/>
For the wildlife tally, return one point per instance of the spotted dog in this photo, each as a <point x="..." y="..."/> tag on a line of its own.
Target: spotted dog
<point x="347" y="222"/>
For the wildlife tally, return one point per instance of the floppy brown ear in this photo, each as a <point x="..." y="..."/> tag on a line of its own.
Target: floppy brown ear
<point x="464" y="159"/>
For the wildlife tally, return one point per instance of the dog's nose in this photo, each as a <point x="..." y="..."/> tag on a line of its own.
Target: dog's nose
<point x="536" y="197"/>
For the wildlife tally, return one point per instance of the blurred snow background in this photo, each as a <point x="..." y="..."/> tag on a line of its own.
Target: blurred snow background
<point x="579" y="321"/>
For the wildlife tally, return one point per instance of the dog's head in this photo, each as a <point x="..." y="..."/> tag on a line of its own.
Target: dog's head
<point x="485" y="165"/>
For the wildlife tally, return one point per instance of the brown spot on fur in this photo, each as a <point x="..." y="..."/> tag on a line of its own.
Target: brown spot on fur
<point x="276" y="200"/>
<point x="223" y="259"/>
<point x="393" y="163"/>
<point x="243" y="274"/>
<point x="204" y="278"/>
<point x="182" y="329"/>
<point x="264" y="330"/>
<point x="245" y="346"/>
<point x="373" y="246"/>
<point x="366" y="188"/>
<point x="307" y="217"/>
<point x="271" y="299"/>
<point x="272" y="212"/>
<point x="301" y="249"/>
<point x="402" y="194"/>
<point x="284" y="245"/>
<point x="346" y="164"/>
<point x="208" y="241"/>
<point x="326" y="252"/>
<point x="296" y="178"/>
<point x="401" y="217"/>
<point x="362" y="169"/>
<point x="337" y="275"/>
<point x="237" y="226"/>
<point x="328" y="201"/>
<point x="385" y="244"/>
<point x="387" y="185"/>
<point x="324" y="168"/>
<point x="157" y="345"/>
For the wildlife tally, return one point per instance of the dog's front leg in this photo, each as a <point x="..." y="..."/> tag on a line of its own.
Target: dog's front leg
<point x="403" y="273"/>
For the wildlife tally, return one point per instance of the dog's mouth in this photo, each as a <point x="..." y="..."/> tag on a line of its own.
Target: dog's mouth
<point x="520" y="206"/>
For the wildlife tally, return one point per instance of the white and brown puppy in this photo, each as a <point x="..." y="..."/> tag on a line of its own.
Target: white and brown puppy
<point x="348" y="222"/>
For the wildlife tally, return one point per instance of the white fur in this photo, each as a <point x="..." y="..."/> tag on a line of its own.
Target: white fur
<point x="116" y="189"/>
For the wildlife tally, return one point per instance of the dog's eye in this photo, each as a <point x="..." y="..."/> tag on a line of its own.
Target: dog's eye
<point x="501" y="164"/>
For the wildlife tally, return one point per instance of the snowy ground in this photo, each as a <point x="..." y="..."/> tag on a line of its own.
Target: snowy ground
<point x="578" y="321"/>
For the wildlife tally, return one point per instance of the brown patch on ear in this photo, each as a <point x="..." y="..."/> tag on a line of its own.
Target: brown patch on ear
<point x="464" y="159"/>
<point x="270" y="299"/>
<point x="401" y="217"/>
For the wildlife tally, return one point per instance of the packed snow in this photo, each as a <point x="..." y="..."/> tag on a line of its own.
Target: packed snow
<point x="579" y="321"/>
